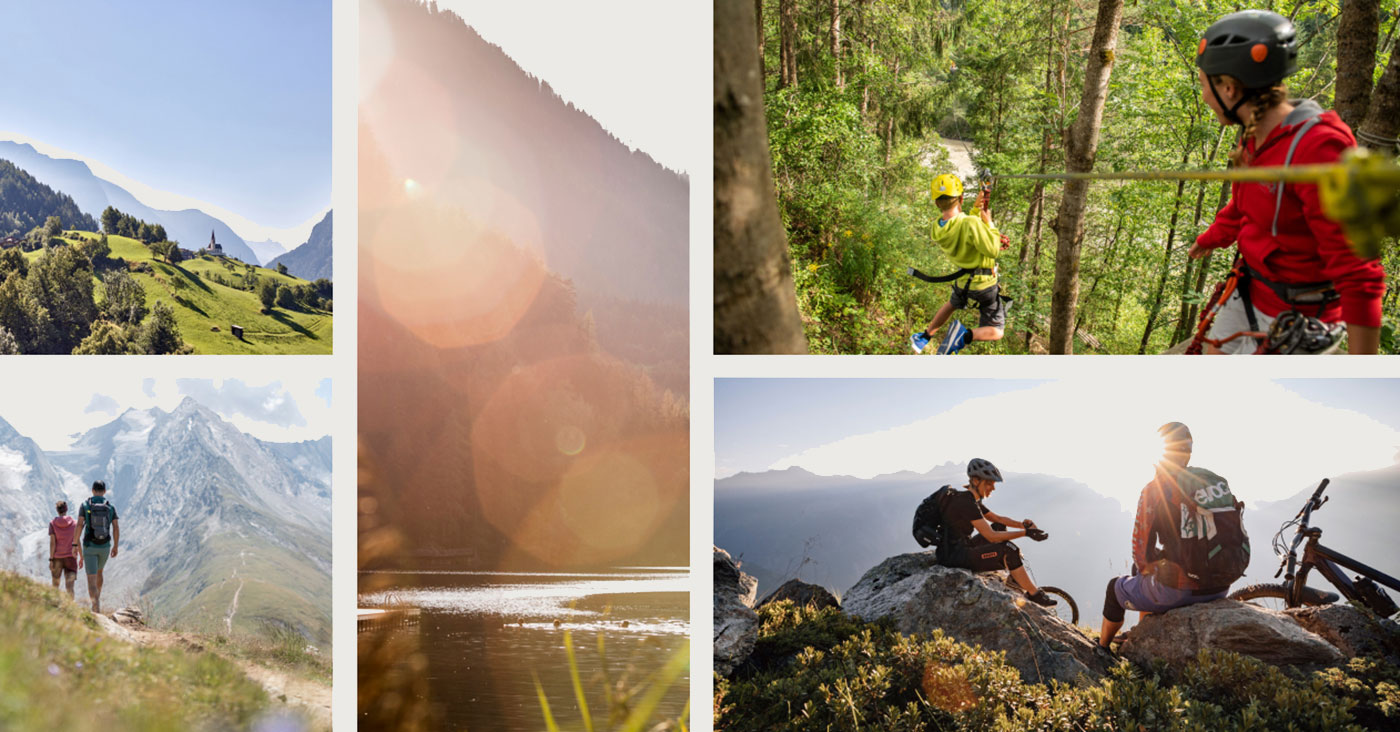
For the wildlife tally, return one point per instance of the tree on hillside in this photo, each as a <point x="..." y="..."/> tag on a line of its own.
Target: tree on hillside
<point x="281" y="268"/>
<point x="125" y="299"/>
<point x="8" y="345"/>
<point x="285" y="299"/>
<point x="95" y="249"/>
<point x="267" y="293"/>
<point x="111" y="219"/>
<point x="53" y="226"/>
<point x="1080" y="148"/>
<point x="755" y="301"/>
<point x="60" y="282"/>
<point x="160" y="334"/>
<point x="107" y="339"/>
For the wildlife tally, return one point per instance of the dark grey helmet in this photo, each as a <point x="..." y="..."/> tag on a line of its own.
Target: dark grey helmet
<point x="979" y="468"/>
<point x="1258" y="47"/>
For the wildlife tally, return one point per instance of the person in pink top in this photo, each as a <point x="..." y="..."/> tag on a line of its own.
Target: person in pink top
<point x="63" y="561"/>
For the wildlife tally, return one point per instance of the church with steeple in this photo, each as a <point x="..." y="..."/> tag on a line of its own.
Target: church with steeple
<point x="214" y="247"/>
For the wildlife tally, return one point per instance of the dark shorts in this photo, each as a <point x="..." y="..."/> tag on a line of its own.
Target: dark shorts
<point x="63" y="566"/>
<point x="984" y="557"/>
<point x="990" y="307"/>
<point x="95" y="557"/>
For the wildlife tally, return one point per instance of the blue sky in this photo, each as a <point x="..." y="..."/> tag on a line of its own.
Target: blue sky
<point x="228" y="103"/>
<point x="1101" y="432"/>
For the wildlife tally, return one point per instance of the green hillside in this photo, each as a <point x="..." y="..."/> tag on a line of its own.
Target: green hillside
<point x="61" y="671"/>
<point x="202" y="303"/>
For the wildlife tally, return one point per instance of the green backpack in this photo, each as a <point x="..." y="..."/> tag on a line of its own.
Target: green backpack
<point x="1212" y="546"/>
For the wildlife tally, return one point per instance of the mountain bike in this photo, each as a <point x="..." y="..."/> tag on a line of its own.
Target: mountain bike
<point x="1067" y="609"/>
<point x="1294" y="592"/>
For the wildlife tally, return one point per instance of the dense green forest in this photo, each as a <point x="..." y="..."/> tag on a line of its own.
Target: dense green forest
<point x="25" y="204"/>
<point x="861" y="95"/>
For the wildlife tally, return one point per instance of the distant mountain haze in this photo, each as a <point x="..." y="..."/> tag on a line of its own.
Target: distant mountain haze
<point x="266" y="251"/>
<point x="312" y="259"/>
<point x="207" y="513"/>
<point x="829" y="529"/>
<point x="190" y="227"/>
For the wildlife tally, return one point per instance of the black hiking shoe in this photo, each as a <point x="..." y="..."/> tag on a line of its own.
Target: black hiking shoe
<point x="1042" y="599"/>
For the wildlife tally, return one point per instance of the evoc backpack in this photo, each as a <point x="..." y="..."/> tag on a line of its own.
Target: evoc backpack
<point x="928" y="518"/>
<point x="99" y="522"/>
<point x="1212" y="545"/>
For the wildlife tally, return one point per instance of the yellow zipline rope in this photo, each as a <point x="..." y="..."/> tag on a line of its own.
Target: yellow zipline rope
<point x="1362" y="192"/>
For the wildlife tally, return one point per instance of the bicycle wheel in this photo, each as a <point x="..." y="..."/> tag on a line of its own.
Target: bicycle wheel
<point x="1270" y="596"/>
<point x="1067" y="610"/>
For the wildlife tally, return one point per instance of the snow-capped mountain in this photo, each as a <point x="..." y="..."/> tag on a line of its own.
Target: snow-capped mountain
<point x="218" y="528"/>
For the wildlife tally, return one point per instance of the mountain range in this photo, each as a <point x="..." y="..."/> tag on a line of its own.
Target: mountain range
<point x="190" y="227"/>
<point x="830" y="529"/>
<point x="221" y="531"/>
<point x="311" y="260"/>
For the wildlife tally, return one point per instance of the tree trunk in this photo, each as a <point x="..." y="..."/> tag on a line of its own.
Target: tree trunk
<point x="836" y="41"/>
<point x="787" y="43"/>
<point x="1080" y="149"/>
<point x="1382" y="123"/>
<point x="755" y="300"/>
<point x="1166" y="267"/>
<point x="1358" y="29"/>
<point x="758" y="26"/>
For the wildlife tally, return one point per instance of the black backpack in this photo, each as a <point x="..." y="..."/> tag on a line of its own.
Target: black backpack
<point x="928" y="518"/>
<point x="1212" y="546"/>
<point x="99" y="522"/>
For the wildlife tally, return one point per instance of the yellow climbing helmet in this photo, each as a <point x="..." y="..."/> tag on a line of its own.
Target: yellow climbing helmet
<point x="946" y="185"/>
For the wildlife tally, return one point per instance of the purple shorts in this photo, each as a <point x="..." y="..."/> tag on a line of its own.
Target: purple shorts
<point x="1144" y="593"/>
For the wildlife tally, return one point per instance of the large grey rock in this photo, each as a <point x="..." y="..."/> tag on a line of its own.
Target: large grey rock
<point x="802" y="594"/>
<point x="1351" y="631"/>
<point x="921" y="596"/>
<point x="736" y="624"/>
<point x="1176" y="636"/>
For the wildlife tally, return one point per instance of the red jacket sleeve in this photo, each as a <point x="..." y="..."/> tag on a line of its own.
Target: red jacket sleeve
<point x="1360" y="282"/>
<point x="1225" y="230"/>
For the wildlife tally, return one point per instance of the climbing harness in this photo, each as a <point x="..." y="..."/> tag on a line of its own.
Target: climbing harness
<point x="1361" y="191"/>
<point x="1293" y="332"/>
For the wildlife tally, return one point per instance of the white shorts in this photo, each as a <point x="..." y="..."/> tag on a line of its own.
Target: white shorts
<point x="1231" y="320"/>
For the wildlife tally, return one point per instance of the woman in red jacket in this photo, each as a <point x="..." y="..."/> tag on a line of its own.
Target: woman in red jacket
<point x="1296" y="259"/>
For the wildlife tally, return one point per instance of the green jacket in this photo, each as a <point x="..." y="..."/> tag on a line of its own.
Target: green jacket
<point x="971" y="244"/>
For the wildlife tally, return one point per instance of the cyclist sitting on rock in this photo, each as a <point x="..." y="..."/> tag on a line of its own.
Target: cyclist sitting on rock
<point x="1295" y="258"/>
<point x="972" y="243"/>
<point x="971" y="542"/>
<point x="1198" y="521"/>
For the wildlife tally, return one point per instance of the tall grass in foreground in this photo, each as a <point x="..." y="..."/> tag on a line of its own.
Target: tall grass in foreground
<point x="60" y="670"/>
<point x="630" y="709"/>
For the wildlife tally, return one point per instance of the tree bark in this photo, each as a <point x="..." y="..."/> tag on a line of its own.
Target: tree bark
<point x="836" y="41"/>
<point x="1382" y="123"/>
<point x="755" y="300"/>
<point x="758" y="26"/>
<point x="787" y="42"/>
<point x="1080" y="149"/>
<point x="1358" y="30"/>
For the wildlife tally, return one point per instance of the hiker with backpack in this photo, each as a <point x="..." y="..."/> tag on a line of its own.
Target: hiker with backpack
<point x="966" y="534"/>
<point x="1291" y="258"/>
<point x="63" y="562"/>
<point x="97" y="524"/>
<point x="1204" y="547"/>
<point x="973" y="244"/>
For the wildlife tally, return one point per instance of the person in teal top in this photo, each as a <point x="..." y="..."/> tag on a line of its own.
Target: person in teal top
<point x="97" y="524"/>
<point x="972" y="243"/>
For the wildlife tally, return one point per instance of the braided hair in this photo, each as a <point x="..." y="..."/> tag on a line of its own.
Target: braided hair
<point x="1264" y="99"/>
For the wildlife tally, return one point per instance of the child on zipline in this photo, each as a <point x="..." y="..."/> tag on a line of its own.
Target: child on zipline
<point x="1295" y="259"/>
<point x="972" y="243"/>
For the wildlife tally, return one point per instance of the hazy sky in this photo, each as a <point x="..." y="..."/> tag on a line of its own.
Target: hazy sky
<point x="622" y="61"/>
<point x="1101" y="432"/>
<point x="225" y="103"/>
<point x="284" y="409"/>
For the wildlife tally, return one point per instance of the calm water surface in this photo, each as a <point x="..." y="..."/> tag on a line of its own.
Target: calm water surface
<point x="487" y="634"/>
